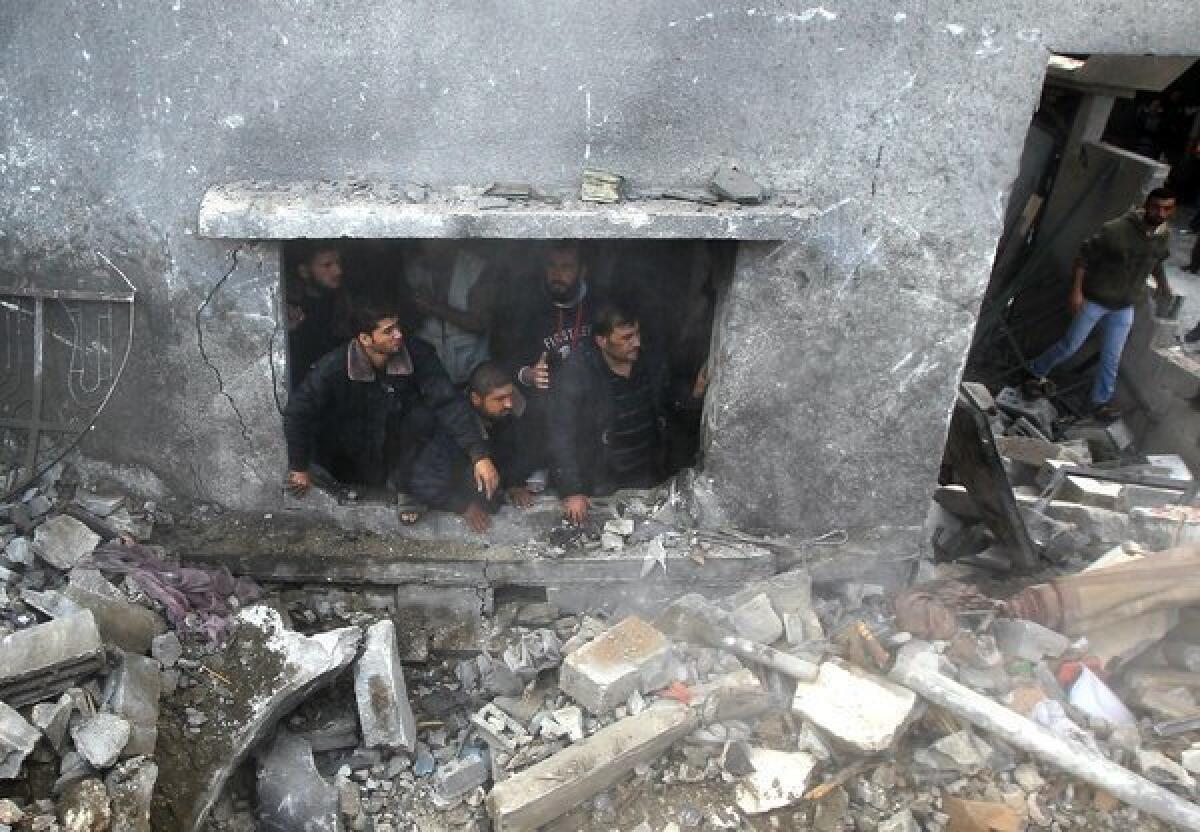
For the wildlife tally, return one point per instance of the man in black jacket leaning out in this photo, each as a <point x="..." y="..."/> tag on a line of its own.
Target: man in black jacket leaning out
<point x="370" y="410"/>
<point x="606" y="415"/>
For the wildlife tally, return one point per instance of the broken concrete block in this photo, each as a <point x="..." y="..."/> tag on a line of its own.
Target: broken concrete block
<point x="19" y="551"/>
<point x="1100" y="524"/>
<point x="960" y="753"/>
<point x="277" y="668"/>
<point x="383" y="708"/>
<point x="1089" y="492"/>
<point x="856" y="708"/>
<point x="132" y="691"/>
<point x="462" y="774"/>
<point x="167" y="649"/>
<point x="292" y="794"/>
<point x="40" y="662"/>
<point x="17" y="739"/>
<point x="1144" y="496"/>
<point x="52" y="719"/>
<point x="537" y="795"/>
<point x="1166" y="526"/>
<point x="729" y="182"/>
<point x="629" y="656"/>
<point x="780" y="778"/>
<point x="131" y="787"/>
<point x="101" y="738"/>
<point x="1023" y="639"/>
<point x="900" y="822"/>
<point x="63" y="541"/>
<point x="84" y="807"/>
<point x="757" y="621"/>
<point x="498" y="729"/>
<point x="100" y="505"/>
<point x="621" y="526"/>
<point x="1190" y="760"/>
<point x="122" y="623"/>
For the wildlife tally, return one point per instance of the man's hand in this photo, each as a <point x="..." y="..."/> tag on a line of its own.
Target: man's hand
<point x="298" y="483"/>
<point x="700" y="385"/>
<point x="295" y="316"/>
<point x="476" y="517"/>
<point x="575" y="508"/>
<point x="536" y="376"/>
<point x="520" y="496"/>
<point x="487" y="478"/>
<point x="1076" y="302"/>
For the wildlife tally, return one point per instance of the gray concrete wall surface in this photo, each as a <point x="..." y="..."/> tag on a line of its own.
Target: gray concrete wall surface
<point x="901" y="122"/>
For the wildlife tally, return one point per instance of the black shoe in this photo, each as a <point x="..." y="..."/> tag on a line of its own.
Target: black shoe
<point x="1105" y="413"/>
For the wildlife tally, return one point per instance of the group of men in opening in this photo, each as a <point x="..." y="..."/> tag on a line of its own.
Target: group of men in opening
<point x="462" y="395"/>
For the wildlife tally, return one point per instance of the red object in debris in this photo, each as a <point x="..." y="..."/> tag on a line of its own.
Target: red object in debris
<point x="679" y="692"/>
<point x="1069" y="671"/>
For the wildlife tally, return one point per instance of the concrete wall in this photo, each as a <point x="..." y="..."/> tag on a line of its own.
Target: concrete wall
<point x="902" y="122"/>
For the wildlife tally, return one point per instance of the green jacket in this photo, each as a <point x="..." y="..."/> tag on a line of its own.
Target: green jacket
<point x="1119" y="258"/>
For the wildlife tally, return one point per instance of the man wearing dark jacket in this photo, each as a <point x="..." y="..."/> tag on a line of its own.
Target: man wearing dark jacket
<point x="372" y="412"/>
<point x="607" y="415"/>
<point x="542" y="327"/>
<point x="498" y="408"/>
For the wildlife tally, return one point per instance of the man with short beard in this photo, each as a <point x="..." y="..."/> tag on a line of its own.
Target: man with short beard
<point x="1109" y="280"/>
<point x="544" y="325"/>
<point x="607" y="415"/>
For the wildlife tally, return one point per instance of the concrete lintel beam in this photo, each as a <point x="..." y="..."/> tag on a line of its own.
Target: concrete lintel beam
<point x="299" y="210"/>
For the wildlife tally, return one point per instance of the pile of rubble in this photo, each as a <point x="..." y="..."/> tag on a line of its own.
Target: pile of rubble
<point x="138" y="693"/>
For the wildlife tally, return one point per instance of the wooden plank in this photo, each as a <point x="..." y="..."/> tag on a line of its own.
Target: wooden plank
<point x="551" y="788"/>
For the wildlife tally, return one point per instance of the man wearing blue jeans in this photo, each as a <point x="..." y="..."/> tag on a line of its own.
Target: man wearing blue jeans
<point x="1109" y="280"/>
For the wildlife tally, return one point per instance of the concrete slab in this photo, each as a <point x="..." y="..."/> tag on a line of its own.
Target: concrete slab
<point x="132" y="691"/>
<point x="863" y="711"/>
<point x="17" y="739"/>
<point x="780" y="779"/>
<point x="383" y="708"/>
<point x="41" y="662"/>
<point x="756" y="620"/>
<point x="291" y="793"/>
<point x="276" y="669"/>
<point x="537" y="795"/>
<point x="101" y="738"/>
<point x="603" y="673"/>
<point x="122" y="624"/>
<point x="63" y="541"/>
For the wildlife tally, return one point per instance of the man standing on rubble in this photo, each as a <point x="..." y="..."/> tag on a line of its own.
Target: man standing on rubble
<point x="1109" y="281"/>
<point x="607" y="414"/>
<point x="373" y="412"/>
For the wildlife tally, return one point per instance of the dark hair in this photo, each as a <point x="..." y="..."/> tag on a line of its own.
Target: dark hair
<point x="553" y="246"/>
<point x="365" y="316"/>
<point x="487" y="377"/>
<point x="612" y="314"/>
<point x="306" y="250"/>
<point x="1163" y="194"/>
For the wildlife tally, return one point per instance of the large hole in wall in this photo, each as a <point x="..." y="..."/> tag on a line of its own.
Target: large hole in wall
<point x="1108" y="131"/>
<point x="493" y="301"/>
